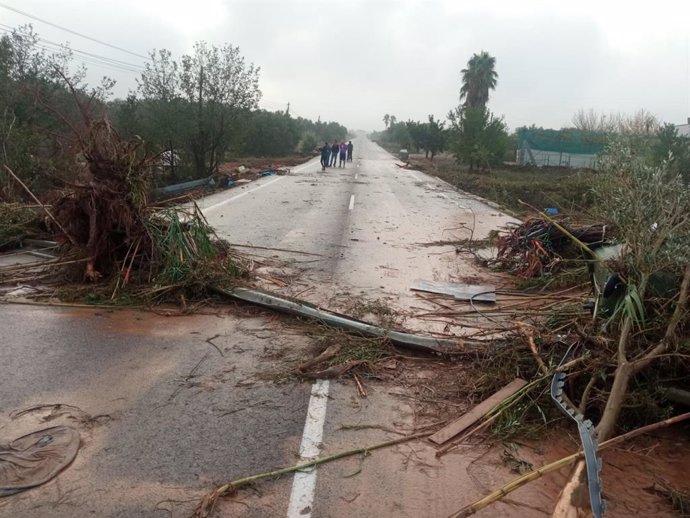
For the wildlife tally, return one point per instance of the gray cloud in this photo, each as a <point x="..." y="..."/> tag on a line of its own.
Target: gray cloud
<point x="354" y="61"/>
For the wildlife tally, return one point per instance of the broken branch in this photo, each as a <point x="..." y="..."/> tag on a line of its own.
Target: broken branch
<point x="207" y="504"/>
<point x="45" y="209"/>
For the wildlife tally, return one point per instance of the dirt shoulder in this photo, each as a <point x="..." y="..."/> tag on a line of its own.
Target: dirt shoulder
<point x="568" y="190"/>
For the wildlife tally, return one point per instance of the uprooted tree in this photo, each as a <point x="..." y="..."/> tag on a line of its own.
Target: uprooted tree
<point x="105" y="220"/>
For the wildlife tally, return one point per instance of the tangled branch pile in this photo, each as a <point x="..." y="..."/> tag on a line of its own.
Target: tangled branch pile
<point x="106" y="222"/>
<point x="539" y="246"/>
<point x="104" y="217"/>
<point x="631" y="352"/>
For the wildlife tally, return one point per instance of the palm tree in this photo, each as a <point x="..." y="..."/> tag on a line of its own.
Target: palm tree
<point x="393" y="120"/>
<point x="477" y="79"/>
<point x="386" y="119"/>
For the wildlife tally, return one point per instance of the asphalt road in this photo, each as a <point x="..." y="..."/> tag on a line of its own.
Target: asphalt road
<point x="170" y="406"/>
<point x="377" y="227"/>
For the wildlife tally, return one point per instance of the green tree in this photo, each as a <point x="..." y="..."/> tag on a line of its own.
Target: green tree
<point x="209" y="92"/>
<point x="435" y="137"/>
<point x="477" y="79"/>
<point x="38" y="110"/>
<point x="673" y="149"/>
<point x="478" y="139"/>
<point x="323" y="131"/>
<point x="417" y="132"/>
<point x="271" y="134"/>
<point x="308" y="144"/>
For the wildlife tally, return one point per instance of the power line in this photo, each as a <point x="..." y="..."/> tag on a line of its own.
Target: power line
<point x="118" y="62"/>
<point x="72" y="32"/>
<point x="110" y="61"/>
<point x="92" y="59"/>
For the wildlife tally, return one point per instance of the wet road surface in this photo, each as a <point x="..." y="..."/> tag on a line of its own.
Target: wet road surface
<point x="372" y="224"/>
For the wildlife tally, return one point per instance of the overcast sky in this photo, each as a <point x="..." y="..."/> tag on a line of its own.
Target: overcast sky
<point x="353" y="61"/>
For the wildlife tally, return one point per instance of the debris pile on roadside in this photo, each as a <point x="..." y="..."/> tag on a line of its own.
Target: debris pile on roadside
<point x="540" y="245"/>
<point x="232" y="174"/>
<point x="110" y="233"/>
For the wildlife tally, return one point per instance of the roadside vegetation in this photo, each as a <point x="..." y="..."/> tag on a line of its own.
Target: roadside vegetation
<point x="569" y="190"/>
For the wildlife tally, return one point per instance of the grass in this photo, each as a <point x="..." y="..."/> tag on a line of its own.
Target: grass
<point x="569" y="190"/>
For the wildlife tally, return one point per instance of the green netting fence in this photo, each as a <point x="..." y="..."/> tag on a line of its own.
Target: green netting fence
<point x="563" y="141"/>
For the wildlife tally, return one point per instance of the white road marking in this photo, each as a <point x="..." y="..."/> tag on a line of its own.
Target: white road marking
<point x="352" y="202"/>
<point x="303" y="166"/>
<point x="304" y="483"/>
<point x="355" y="176"/>
<point x="221" y="203"/>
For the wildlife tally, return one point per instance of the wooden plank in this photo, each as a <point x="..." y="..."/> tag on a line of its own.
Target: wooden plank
<point x="456" y="290"/>
<point x="468" y="419"/>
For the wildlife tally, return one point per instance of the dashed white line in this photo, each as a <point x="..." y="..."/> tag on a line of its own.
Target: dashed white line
<point x="221" y="203"/>
<point x="352" y="202"/>
<point x="304" y="483"/>
<point x="355" y="176"/>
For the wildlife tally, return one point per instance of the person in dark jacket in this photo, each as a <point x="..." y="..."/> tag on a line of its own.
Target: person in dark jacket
<point x="335" y="149"/>
<point x="325" y="156"/>
<point x="350" y="147"/>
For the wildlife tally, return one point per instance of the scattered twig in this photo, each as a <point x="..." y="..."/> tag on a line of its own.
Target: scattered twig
<point x="275" y="249"/>
<point x="528" y="333"/>
<point x="360" y="388"/>
<point x="210" y="342"/>
<point x="451" y="446"/>
<point x="207" y="504"/>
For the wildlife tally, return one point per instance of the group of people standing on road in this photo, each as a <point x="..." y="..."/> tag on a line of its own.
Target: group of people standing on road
<point x="330" y="154"/>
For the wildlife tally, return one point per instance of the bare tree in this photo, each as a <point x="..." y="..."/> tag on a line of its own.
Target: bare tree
<point x="642" y="122"/>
